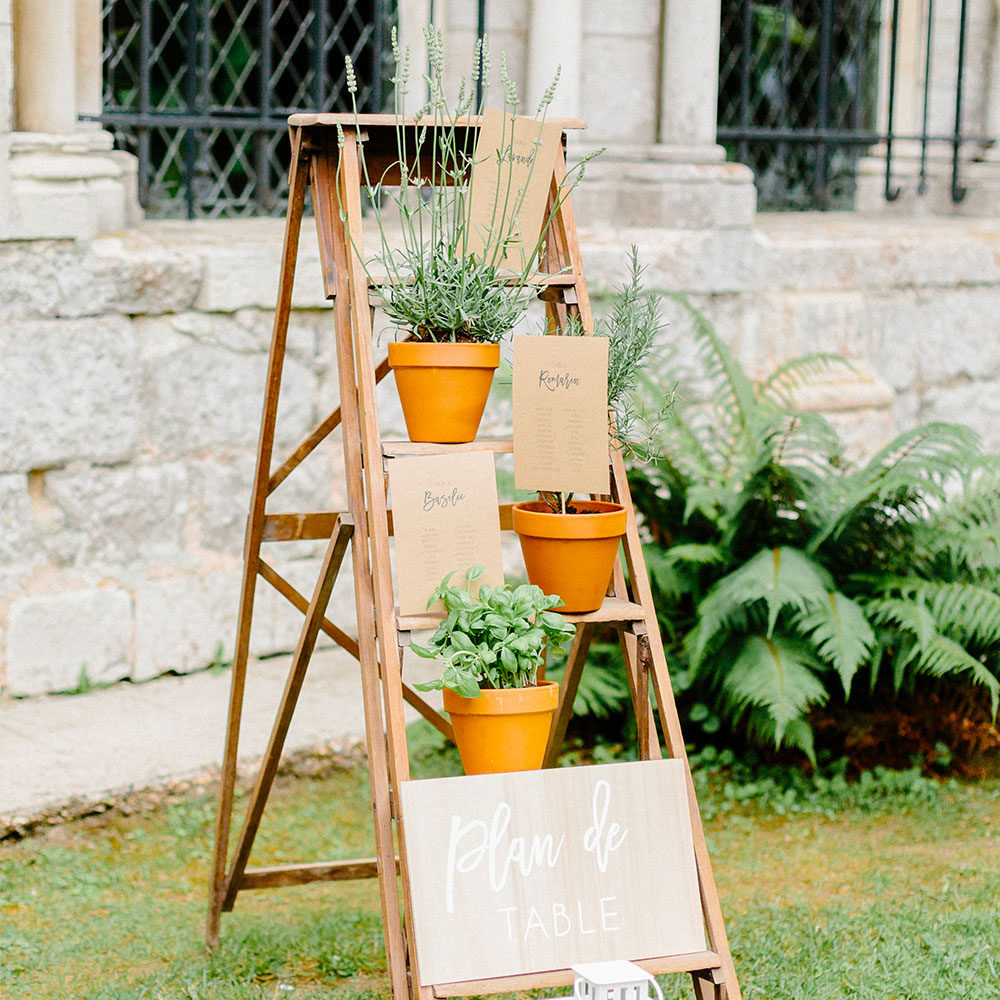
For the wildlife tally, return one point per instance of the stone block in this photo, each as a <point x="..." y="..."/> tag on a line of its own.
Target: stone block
<point x="137" y="274"/>
<point x="36" y="277"/>
<point x="943" y="335"/>
<point x="974" y="403"/>
<point x="18" y="536"/>
<point x="70" y="392"/>
<point x="53" y="638"/>
<point x="829" y="322"/>
<point x="184" y="623"/>
<point x="197" y="396"/>
<point x="117" y="517"/>
<point x="220" y="496"/>
<point x="241" y="263"/>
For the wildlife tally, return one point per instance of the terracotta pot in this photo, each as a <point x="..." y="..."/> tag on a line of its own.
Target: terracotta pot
<point x="505" y="729"/>
<point x="443" y="387"/>
<point x="571" y="555"/>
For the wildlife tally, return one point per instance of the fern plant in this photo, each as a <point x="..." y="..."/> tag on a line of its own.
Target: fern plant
<point x="785" y="574"/>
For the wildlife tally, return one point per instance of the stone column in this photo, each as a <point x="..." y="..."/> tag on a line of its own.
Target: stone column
<point x="555" y="39"/>
<point x="44" y="52"/>
<point x="689" y="85"/>
<point x="675" y="176"/>
<point x="89" y="51"/>
<point x="6" y="109"/>
<point x="413" y="18"/>
<point x="66" y="181"/>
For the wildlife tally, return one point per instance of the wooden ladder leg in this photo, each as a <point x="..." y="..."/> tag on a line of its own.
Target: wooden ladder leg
<point x="296" y="675"/>
<point x="255" y="526"/>
<point x="709" y="984"/>
<point x="575" y="660"/>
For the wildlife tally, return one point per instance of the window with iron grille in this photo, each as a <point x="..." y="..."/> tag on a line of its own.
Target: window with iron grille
<point x="199" y="90"/>
<point x="798" y="86"/>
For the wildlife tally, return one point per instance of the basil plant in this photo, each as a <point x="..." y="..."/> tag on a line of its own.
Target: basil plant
<point x="495" y="639"/>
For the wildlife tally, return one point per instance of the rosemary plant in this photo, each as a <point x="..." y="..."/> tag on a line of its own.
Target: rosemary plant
<point x="435" y="287"/>
<point x="631" y="329"/>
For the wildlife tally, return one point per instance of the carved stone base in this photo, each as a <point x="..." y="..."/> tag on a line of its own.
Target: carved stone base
<point x="666" y="187"/>
<point x="68" y="186"/>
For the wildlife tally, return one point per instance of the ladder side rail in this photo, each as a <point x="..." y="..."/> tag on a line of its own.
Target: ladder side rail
<point x="328" y="196"/>
<point x="298" y="179"/>
<point x="378" y="536"/>
<point x="669" y="720"/>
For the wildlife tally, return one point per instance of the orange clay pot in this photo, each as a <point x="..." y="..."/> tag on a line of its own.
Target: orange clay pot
<point x="443" y="387"/>
<point x="505" y="729"/>
<point x="571" y="555"/>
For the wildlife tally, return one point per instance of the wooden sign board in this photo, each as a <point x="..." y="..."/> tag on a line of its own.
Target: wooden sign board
<point x="509" y="187"/>
<point x="535" y="871"/>
<point x="561" y="414"/>
<point x="446" y="519"/>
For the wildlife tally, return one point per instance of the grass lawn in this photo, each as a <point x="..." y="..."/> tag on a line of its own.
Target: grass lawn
<point x="900" y="899"/>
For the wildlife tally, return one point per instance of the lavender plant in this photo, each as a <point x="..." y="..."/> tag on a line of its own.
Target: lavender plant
<point x="435" y="287"/>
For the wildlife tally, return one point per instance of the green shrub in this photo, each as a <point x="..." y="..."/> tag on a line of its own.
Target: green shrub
<point x="786" y="575"/>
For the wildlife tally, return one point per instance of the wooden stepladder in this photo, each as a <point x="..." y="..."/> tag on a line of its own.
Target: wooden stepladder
<point x="333" y="169"/>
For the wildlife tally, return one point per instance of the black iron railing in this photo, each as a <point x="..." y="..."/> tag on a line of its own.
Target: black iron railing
<point x="798" y="97"/>
<point x="200" y="91"/>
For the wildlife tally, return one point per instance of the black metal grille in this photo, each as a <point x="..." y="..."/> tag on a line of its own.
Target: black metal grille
<point x="199" y="90"/>
<point x="798" y="91"/>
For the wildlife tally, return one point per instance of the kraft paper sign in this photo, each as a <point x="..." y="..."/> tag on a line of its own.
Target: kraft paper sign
<point x="534" y="871"/>
<point x="561" y="414"/>
<point x="445" y="518"/>
<point x="509" y="187"/>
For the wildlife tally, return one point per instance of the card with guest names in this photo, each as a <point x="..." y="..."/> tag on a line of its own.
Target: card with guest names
<point x="445" y="519"/>
<point x="509" y="188"/>
<point x="561" y="414"/>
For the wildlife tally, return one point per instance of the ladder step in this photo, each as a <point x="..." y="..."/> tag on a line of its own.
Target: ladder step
<point x="694" y="962"/>
<point x="564" y="279"/>
<point x="614" y="611"/>
<point x="396" y="449"/>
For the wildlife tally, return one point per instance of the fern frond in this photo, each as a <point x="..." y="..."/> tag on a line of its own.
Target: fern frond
<point x="841" y="634"/>
<point x="777" y="675"/>
<point x="912" y="616"/>
<point x="966" y="525"/>
<point x="782" y="578"/>
<point x="943" y="656"/>
<point x="781" y="384"/>
<point x="925" y="649"/>
<point x="761" y="728"/>
<point x="692" y="552"/>
<point x="909" y="470"/>
<point x="739" y="401"/>
<point x="968" y="610"/>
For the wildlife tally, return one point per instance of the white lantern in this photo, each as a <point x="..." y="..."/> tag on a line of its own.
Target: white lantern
<point x="613" y="981"/>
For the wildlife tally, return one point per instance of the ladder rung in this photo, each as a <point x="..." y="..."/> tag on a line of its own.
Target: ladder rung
<point x="302" y="874"/>
<point x="395" y="449"/>
<point x="614" y="611"/>
<point x="563" y="279"/>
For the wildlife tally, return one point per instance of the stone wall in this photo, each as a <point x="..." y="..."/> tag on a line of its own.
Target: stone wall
<point x="132" y="391"/>
<point x="133" y="373"/>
